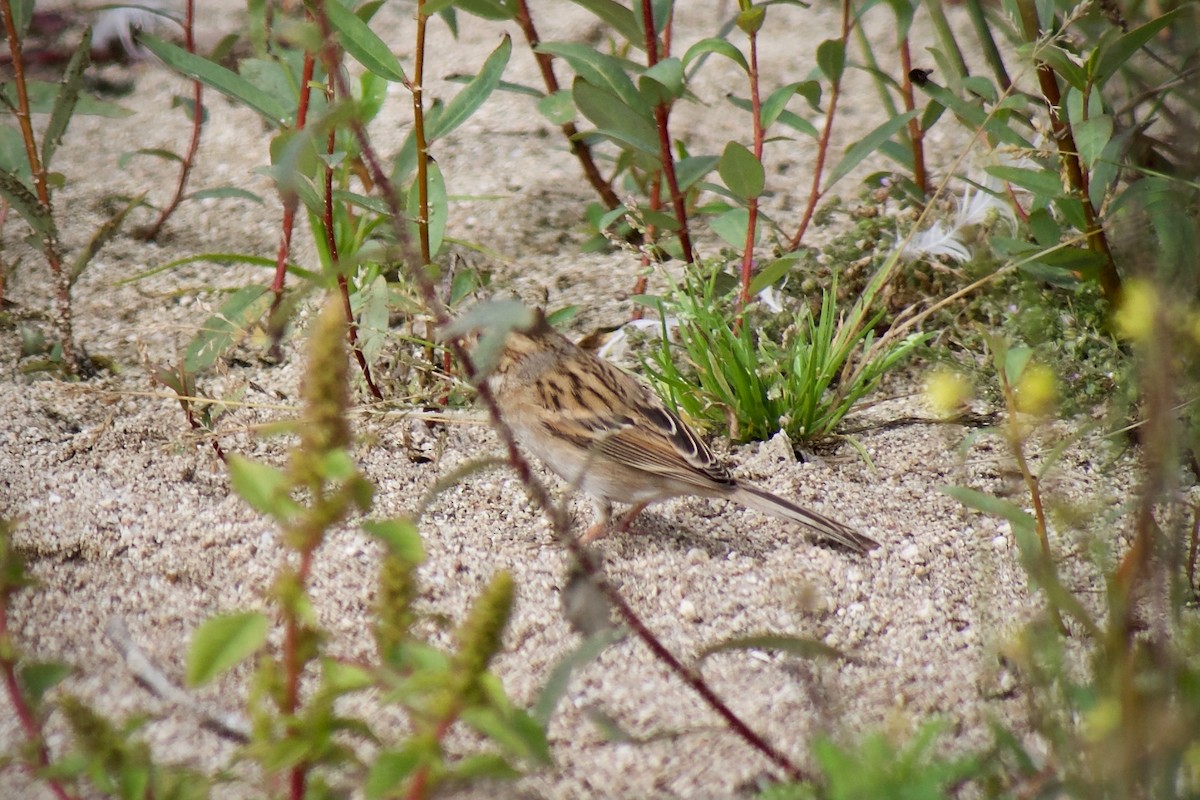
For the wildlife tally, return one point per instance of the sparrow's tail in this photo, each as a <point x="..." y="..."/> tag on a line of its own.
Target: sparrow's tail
<point x="823" y="527"/>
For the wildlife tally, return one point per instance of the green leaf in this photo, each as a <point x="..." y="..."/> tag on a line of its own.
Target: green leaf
<point x="560" y="676"/>
<point x="614" y="119"/>
<point x="262" y="486"/>
<point x="1091" y="137"/>
<point x="721" y="47"/>
<point x="775" y="103"/>
<point x="390" y="769"/>
<point x="482" y="766"/>
<point x="513" y="730"/>
<point x="992" y="506"/>
<point x="496" y="10"/>
<point x="225" y="193"/>
<point x="223" y="80"/>
<point x="601" y="70"/>
<point x="222" y="642"/>
<point x="731" y="226"/>
<point x="39" y="678"/>
<point x="693" y="168"/>
<point x="155" y="152"/>
<point x="867" y="145"/>
<point x="28" y="206"/>
<point x="1042" y="182"/>
<point x="1062" y="62"/>
<point x="68" y="96"/>
<point x="793" y="645"/>
<point x="13" y="157"/>
<point x="1116" y="56"/>
<point x="662" y="83"/>
<point x="228" y="326"/>
<point x="773" y="272"/>
<point x="473" y="94"/>
<point x="750" y="20"/>
<point x="102" y="236"/>
<point x="438" y="207"/>
<point x="401" y="537"/>
<point x="43" y="95"/>
<point x="741" y="171"/>
<point x="362" y="43"/>
<point x="557" y="107"/>
<point x="618" y="17"/>
<point x="22" y="11"/>
<point x="831" y="58"/>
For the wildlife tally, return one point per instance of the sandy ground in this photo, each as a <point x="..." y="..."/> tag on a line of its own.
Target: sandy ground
<point x="124" y="514"/>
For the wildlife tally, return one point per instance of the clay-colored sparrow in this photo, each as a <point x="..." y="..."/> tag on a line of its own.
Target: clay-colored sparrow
<point x="602" y="430"/>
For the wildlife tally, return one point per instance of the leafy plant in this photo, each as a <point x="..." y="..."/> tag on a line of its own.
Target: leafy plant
<point x="876" y="766"/>
<point x="767" y="370"/>
<point x="27" y="182"/>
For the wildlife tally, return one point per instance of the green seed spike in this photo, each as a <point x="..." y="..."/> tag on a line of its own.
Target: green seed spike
<point x="480" y="635"/>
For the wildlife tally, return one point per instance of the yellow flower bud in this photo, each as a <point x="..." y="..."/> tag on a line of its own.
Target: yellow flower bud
<point x="1134" y="318"/>
<point x="947" y="391"/>
<point x="1037" y="389"/>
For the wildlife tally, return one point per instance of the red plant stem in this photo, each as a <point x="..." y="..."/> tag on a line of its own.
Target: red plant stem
<point x="62" y="278"/>
<point x="521" y="466"/>
<point x="30" y="725"/>
<point x="298" y="776"/>
<point x="420" y="783"/>
<point x="661" y="115"/>
<point x="752" y="204"/>
<point x="331" y="245"/>
<point x="582" y="152"/>
<point x="185" y="169"/>
<point x="815" y="194"/>
<point x="290" y="200"/>
<point x="915" y="135"/>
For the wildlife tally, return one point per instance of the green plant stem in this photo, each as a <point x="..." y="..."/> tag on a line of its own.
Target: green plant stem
<point x="520" y="465"/>
<point x="661" y="117"/>
<point x="418" y="100"/>
<point x="582" y="152"/>
<point x="815" y="193"/>
<point x="752" y="203"/>
<point x="1068" y="152"/>
<point x="189" y="158"/>
<point x="62" y="278"/>
<point x="916" y="136"/>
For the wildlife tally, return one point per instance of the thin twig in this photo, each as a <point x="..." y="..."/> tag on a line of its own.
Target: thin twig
<point x="662" y="115"/>
<point x="185" y="168"/>
<point x="752" y="203"/>
<point x="578" y="146"/>
<point x="290" y="199"/>
<point x="331" y="246"/>
<point x="816" y="192"/>
<point x="233" y="727"/>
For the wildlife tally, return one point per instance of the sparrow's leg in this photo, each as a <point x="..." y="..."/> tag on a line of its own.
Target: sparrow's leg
<point x="599" y="528"/>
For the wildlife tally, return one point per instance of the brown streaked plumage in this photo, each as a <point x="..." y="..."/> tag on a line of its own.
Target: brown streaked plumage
<point x="607" y="433"/>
